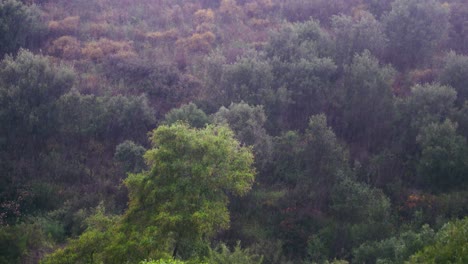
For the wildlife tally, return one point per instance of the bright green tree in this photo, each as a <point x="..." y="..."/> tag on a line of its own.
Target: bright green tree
<point x="183" y="197"/>
<point x="175" y="206"/>
<point x="451" y="243"/>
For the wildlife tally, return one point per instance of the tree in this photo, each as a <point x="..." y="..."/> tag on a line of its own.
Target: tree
<point x="366" y="102"/>
<point x="176" y="205"/>
<point x="429" y="103"/>
<point x="395" y="249"/>
<point x="444" y="156"/>
<point x="299" y="40"/>
<point x="184" y="195"/>
<point x="354" y="35"/>
<point x="415" y="28"/>
<point x="309" y="82"/>
<point x="29" y="88"/>
<point x="19" y="26"/>
<point x="358" y="213"/>
<point x="188" y="113"/>
<point x="378" y="7"/>
<point x="309" y="166"/>
<point x="222" y="255"/>
<point x="458" y="39"/>
<point x="250" y="79"/>
<point x="455" y="74"/>
<point x="131" y="156"/>
<point x="451" y="242"/>
<point x="248" y="123"/>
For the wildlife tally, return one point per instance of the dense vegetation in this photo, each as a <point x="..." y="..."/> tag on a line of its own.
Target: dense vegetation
<point x="224" y="131"/>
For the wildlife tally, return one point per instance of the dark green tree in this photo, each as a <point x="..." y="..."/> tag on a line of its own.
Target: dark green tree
<point x="366" y="102"/>
<point x="188" y="113"/>
<point x="455" y="74"/>
<point x="444" y="156"/>
<point x="309" y="166"/>
<point x="414" y="29"/>
<point x="131" y="156"/>
<point x="248" y="123"/>
<point x="29" y="88"/>
<point x="429" y="103"/>
<point x="356" y="34"/>
<point x="20" y="26"/>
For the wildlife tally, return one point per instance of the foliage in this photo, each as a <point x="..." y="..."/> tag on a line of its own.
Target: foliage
<point x="362" y="211"/>
<point x="19" y="241"/>
<point x="366" y="101"/>
<point x="189" y="114"/>
<point x="354" y="35"/>
<point x="449" y="247"/>
<point x="66" y="47"/>
<point x="163" y="261"/>
<point x="248" y="123"/>
<point x="131" y="155"/>
<point x="414" y="29"/>
<point x="87" y="247"/>
<point x="221" y="255"/>
<point x="454" y="74"/>
<point x="444" y="154"/>
<point x="68" y="25"/>
<point x="20" y="26"/>
<point x="30" y="86"/>
<point x="299" y="40"/>
<point x="176" y="205"/>
<point x="395" y="249"/>
<point x="198" y="166"/>
<point x="300" y="82"/>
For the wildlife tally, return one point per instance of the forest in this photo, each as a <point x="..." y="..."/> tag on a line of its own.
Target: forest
<point x="233" y="131"/>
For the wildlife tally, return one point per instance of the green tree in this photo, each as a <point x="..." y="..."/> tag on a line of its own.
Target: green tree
<point x="395" y="249"/>
<point x="108" y="118"/>
<point x="366" y="102"/>
<point x="29" y="88"/>
<point x="250" y="79"/>
<point x="184" y="195"/>
<point x="378" y="7"/>
<point x="458" y="39"/>
<point x="451" y="242"/>
<point x="444" y="156"/>
<point x="455" y="74"/>
<point x="131" y="156"/>
<point x="299" y="40"/>
<point x="310" y="85"/>
<point x="415" y="28"/>
<point x="188" y="113"/>
<point x="223" y="255"/>
<point x="429" y="103"/>
<point x="354" y="35"/>
<point x="20" y="26"/>
<point x="308" y="166"/>
<point x="175" y="206"/>
<point x="248" y="123"/>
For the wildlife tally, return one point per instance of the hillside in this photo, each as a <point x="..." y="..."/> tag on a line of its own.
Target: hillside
<point x="224" y="131"/>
